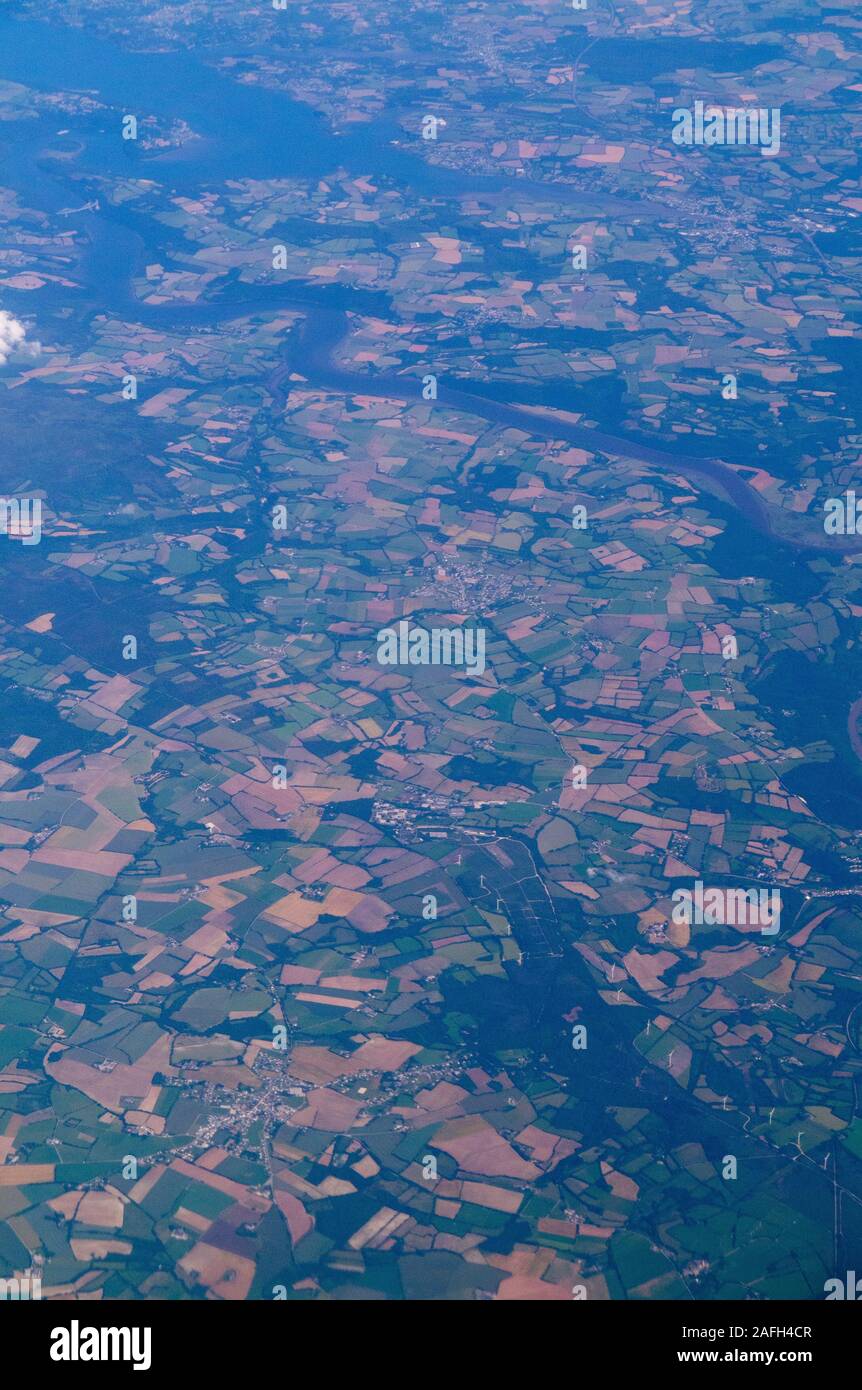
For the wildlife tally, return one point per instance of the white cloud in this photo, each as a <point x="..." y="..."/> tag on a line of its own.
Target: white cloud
<point x="13" y="338"/>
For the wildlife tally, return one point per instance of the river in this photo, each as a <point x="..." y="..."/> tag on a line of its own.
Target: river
<point x="250" y="132"/>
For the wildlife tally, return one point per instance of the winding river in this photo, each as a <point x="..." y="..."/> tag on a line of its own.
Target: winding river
<point x="233" y="119"/>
